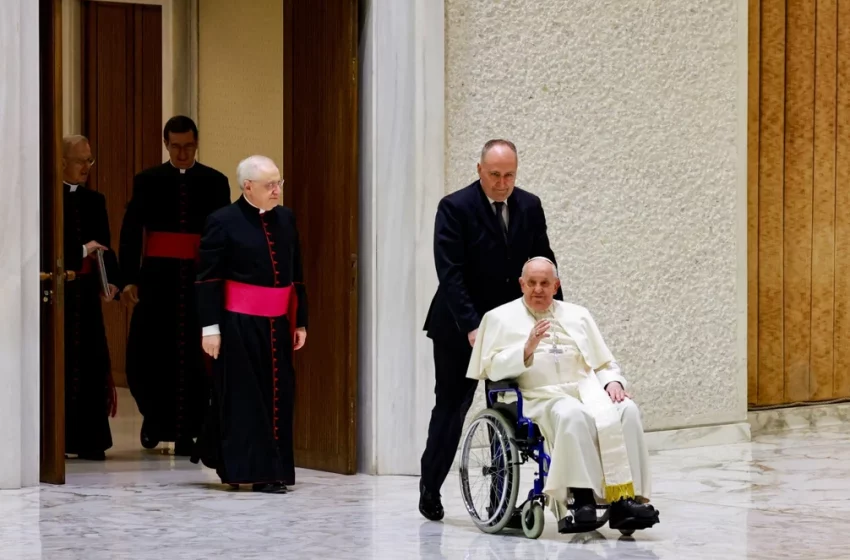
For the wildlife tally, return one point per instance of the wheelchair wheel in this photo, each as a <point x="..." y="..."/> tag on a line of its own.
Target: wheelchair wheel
<point x="532" y="519"/>
<point x="489" y="471"/>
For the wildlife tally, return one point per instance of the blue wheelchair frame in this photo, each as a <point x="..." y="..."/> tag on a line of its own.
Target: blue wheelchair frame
<point x="532" y="445"/>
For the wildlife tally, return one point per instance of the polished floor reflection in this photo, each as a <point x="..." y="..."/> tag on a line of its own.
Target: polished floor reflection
<point x="782" y="496"/>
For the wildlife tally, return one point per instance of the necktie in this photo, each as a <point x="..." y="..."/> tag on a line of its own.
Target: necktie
<point x="501" y="218"/>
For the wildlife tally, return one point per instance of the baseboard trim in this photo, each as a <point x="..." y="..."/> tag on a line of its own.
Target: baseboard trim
<point x="799" y="417"/>
<point x="703" y="436"/>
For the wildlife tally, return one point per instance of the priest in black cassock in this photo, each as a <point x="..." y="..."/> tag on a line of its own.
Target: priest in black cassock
<point x="253" y="309"/>
<point x="166" y="370"/>
<point x="89" y="389"/>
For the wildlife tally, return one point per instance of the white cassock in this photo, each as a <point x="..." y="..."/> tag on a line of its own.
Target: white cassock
<point x="592" y="442"/>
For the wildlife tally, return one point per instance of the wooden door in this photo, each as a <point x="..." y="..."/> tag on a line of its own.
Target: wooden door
<point x="799" y="201"/>
<point x="52" y="318"/>
<point x="122" y="117"/>
<point x="320" y="168"/>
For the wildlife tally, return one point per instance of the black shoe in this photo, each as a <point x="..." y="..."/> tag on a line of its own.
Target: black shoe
<point x="184" y="448"/>
<point x="627" y="514"/>
<point x="430" y="505"/>
<point x="92" y="456"/>
<point x="148" y="441"/>
<point x="270" y="488"/>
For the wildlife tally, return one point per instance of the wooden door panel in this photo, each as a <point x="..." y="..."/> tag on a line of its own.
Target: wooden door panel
<point x="771" y="154"/>
<point x="52" y="335"/>
<point x="798" y="202"/>
<point x="797" y="209"/>
<point x="841" y="379"/>
<point x="823" y="205"/>
<point x="320" y="168"/>
<point x="122" y="116"/>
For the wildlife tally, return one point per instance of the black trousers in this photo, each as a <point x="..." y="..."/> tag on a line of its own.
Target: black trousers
<point x="454" y="394"/>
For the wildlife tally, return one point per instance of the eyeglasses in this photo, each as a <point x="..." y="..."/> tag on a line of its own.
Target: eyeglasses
<point x="79" y="161"/>
<point x="270" y="185"/>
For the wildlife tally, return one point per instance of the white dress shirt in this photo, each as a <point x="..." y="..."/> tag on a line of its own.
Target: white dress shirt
<point x="505" y="213"/>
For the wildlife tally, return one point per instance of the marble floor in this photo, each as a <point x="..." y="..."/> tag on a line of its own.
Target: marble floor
<point x="782" y="496"/>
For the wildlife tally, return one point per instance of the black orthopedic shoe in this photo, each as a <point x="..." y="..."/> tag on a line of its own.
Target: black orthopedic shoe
<point x="629" y="515"/>
<point x="584" y="506"/>
<point x="430" y="505"/>
<point x="270" y="488"/>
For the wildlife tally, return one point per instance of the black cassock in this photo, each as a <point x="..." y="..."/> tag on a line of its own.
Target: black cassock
<point x="166" y="371"/>
<point x="250" y="285"/>
<point x="88" y="378"/>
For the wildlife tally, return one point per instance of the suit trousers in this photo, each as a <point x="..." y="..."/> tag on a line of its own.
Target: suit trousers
<point x="454" y="393"/>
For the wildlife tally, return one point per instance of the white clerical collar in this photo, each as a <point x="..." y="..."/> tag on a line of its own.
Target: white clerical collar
<point x="257" y="207"/>
<point x="548" y="312"/>
<point x="72" y="187"/>
<point x="182" y="171"/>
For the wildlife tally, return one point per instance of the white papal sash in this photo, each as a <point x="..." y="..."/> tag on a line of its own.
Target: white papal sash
<point x="618" y="482"/>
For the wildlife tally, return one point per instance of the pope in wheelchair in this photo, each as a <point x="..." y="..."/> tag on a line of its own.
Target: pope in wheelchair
<point x="555" y="396"/>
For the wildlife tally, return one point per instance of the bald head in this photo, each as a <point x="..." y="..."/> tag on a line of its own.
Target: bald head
<point x="69" y="142"/>
<point x="539" y="283"/>
<point x="76" y="159"/>
<point x="500" y="148"/>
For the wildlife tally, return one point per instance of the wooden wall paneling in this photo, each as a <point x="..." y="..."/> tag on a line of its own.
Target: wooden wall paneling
<point x="111" y="120"/>
<point x="841" y="378"/>
<point x="122" y="96"/>
<point x="799" y="176"/>
<point x="148" y="92"/>
<point x="753" y="109"/>
<point x="770" y="222"/>
<point x="823" y="205"/>
<point x="320" y="163"/>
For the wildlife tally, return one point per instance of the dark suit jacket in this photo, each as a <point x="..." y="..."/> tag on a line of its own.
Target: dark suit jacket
<point x="477" y="270"/>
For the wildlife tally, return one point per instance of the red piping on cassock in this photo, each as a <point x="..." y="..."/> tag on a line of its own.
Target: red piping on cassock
<point x="272" y="255"/>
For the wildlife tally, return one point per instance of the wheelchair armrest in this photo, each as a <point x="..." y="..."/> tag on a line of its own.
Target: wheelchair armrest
<point x="501" y="386"/>
<point x="495" y="388"/>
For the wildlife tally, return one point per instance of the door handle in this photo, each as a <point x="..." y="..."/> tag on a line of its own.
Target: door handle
<point x="68" y="276"/>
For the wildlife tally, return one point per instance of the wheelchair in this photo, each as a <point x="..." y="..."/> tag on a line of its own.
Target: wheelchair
<point x="505" y="439"/>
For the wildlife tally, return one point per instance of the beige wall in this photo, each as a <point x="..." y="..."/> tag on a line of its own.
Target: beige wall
<point x="240" y="83"/>
<point x="627" y="115"/>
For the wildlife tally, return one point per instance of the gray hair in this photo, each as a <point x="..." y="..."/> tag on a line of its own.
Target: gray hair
<point x="251" y="167"/>
<point x="68" y="142"/>
<point x="554" y="266"/>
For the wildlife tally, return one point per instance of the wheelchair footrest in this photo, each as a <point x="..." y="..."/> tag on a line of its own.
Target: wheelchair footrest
<point x="568" y="525"/>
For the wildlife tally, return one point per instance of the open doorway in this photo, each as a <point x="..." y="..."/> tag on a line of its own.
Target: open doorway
<point x="129" y="82"/>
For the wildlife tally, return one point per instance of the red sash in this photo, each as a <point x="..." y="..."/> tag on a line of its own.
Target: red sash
<point x="169" y="245"/>
<point x="86" y="267"/>
<point x="261" y="301"/>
